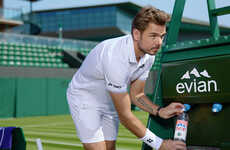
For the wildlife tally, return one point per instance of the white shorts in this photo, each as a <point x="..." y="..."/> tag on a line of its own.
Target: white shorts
<point x="93" y="124"/>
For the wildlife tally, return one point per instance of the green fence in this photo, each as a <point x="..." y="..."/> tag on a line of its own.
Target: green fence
<point x="7" y="97"/>
<point x="33" y="96"/>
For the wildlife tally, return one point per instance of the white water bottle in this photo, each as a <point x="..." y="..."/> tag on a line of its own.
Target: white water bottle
<point x="181" y="127"/>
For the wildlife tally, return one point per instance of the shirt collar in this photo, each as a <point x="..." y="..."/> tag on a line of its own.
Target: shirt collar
<point x="132" y="56"/>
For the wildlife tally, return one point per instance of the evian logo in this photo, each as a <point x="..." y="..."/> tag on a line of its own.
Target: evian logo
<point x="197" y="82"/>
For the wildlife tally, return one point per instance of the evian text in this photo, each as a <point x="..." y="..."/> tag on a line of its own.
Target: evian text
<point x="196" y="86"/>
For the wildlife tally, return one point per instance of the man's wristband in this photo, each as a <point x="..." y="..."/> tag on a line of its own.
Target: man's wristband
<point x="152" y="140"/>
<point x="158" y="110"/>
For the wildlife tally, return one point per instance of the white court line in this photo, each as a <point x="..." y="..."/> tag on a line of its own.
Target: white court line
<point x="49" y="124"/>
<point x="74" y="135"/>
<point x="51" y="134"/>
<point x="64" y="143"/>
<point x="54" y="142"/>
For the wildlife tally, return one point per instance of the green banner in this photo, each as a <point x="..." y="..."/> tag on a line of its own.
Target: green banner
<point x="202" y="80"/>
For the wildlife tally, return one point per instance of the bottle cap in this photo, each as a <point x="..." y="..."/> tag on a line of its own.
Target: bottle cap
<point x="216" y="107"/>
<point x="186" y="107"/>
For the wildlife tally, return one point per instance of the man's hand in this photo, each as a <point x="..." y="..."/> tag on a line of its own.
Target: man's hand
<point x="173" y="145"/>
<point x="171" y="110"/>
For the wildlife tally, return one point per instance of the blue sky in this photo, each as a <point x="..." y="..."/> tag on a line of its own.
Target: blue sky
<point x="195" y="9"/>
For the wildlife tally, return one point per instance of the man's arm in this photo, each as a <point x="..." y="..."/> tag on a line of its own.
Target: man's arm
<point x="139" y="99"/>
<point x="122" y="104"/>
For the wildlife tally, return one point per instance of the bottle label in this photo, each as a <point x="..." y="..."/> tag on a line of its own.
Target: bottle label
<point x="181" y="130"/>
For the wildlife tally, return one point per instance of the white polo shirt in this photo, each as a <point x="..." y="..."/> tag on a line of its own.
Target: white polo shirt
<point x="110" y="66"/>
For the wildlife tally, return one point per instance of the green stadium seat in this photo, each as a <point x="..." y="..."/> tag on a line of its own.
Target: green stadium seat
<point x="31" y="55"/>
<point x="11" y="63"/>
<point x="11" y="52"/>
<point x="3" y="62"/>
<point x="17" y="48"/>
<point x="17" y="58"/>
<point x="18" y="63"/>
<point x="24" y="64"/>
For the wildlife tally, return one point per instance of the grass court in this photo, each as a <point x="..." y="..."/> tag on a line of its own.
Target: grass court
<point x="58" y="132"/>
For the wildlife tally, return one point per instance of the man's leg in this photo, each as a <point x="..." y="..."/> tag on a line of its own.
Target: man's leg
<point x="110" y="145"/>
<point x="95" y="146"/>
<point x="107" y="145"/>
<point x="110" y="122"/>
<point x="96" y="129"/>
<point x="87" y="120"/>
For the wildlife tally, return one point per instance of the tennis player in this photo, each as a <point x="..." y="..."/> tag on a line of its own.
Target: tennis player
<point x="98" y="94"/>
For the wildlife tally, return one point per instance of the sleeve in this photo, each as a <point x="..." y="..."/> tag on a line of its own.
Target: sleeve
<point x="115" y="72"/>
<point x="145" y="75"/>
